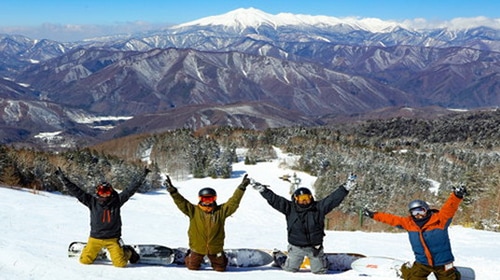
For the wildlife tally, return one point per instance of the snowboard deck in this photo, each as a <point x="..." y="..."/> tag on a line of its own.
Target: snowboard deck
<point x="336" y="261"/>
<point x="149" y="253"/>
<point x="391" y="267"/>
<point x="239" y="257"/>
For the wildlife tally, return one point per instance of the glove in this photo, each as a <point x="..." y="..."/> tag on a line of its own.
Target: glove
<point x="244" y="183"/>
<point x="351" y="182"/>
<point x="368" y="213"/>
<point x="59" y="173"/>
<point x="146" y="170"/>
<point x="170" y="188"/>
<point x="258" y="186"/>
<point x="460" y="191"/>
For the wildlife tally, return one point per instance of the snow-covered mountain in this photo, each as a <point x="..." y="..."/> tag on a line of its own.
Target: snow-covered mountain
<point x="308" y="66"/>
<point x="241" y="19"/>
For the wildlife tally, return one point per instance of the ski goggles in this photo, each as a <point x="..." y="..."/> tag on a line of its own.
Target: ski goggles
<point x="303" y="198"/>
<point x="208" y="199"/>
<point x="103" y="190"/>
<point x="418" y="211"/>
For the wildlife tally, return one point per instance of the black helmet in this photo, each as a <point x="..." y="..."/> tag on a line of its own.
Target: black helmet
<point x="300" y="191"/>
<point x="207" y="192"/>
<point x="417" y="204"/>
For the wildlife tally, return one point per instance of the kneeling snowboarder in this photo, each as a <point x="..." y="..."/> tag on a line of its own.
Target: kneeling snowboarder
<point x="105" y="220"/>
<point x="305" y="219"/>
<point x="428" y="233"/>
<point x="206" y="224"/>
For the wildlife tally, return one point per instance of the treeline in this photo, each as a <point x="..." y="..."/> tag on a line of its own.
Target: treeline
<point x="35" y="170"/>
<point x="397" y="160"/>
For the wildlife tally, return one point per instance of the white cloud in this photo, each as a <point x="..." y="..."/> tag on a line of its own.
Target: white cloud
<point x="74" y="32"/>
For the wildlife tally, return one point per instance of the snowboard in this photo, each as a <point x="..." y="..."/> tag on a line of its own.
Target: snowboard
<point x="240" y="257"/>
<point x="336" y="261"/>
<point x="149" y="253"/>
<point x="391" y="267"/>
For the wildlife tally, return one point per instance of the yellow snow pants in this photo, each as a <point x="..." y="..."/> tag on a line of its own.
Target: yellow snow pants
<point x="119" y="257"/>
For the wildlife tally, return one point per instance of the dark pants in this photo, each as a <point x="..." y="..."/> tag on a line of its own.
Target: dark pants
<point x="420" y="271"/>
<point x="194" y="260"/>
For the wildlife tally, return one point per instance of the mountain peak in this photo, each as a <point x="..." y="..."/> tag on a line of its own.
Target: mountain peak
<point x="241" y="18"/>
<point x="250" y="17"/>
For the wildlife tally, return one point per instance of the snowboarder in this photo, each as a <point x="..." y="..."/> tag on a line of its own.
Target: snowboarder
<point x="428" y="233"/>
<point x="206" y="224"/>
<point x="305" y="219"/>
<point x="105" y="220"/>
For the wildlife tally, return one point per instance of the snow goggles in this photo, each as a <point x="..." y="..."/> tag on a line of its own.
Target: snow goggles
<point x="418" y="211"/>
<point x="208" y="199"/>
<point x="103" y="190"/>
<point x="303" y="198"/>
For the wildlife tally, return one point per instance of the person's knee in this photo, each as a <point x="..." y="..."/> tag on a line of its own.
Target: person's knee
<point x="193" y="261"/>
<point x="86" y="260"/>
<point x="120" y="263"/>
<point x="290" y="269"/>
<point x="288" y="266"/>
<point x="121" y="260"/>
<point x="192" y="265"/>
<point x="322" y="270"/>
<point x="219" y="268"/>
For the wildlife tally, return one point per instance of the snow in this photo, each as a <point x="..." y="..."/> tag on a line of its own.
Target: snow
<point x="48" y="135"/>
<point x="36" y="229"/>
<point x="250" y="17"/>
<point x="435" y="185"/>
<point x="242" y="18"/>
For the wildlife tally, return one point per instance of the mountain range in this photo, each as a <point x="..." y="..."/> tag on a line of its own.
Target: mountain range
<point x="245" y="68"/>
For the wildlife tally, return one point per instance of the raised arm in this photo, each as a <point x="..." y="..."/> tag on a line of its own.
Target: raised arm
<point x="182" y="203"/>
<point x="73" y="189"/>
<point x="234" y="201"/>
<point x="134" y="186"/>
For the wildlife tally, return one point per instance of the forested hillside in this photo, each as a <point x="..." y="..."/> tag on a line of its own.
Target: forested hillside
<point x="396" y="160"/>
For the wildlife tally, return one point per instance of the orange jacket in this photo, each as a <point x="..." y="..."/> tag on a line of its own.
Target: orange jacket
<point x="430" y="243"/>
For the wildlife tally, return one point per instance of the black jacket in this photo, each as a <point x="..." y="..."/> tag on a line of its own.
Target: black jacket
<point x="305" y="226"/>
<point x="105" y="218"/>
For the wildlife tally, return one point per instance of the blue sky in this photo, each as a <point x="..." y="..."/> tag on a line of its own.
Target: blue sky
<point x="59" y="18"/>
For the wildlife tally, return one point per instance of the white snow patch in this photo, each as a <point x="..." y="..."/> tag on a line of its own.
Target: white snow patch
<point x="435" y="186"/>
<point x="47" y="135"/>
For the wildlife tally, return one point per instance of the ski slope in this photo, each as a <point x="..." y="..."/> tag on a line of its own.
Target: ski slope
<point x="35" y="230"/>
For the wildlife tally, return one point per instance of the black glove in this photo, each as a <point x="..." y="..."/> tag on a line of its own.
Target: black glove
<point x="258" y="186"/>
<point x="170" y="188"/>
<point x="244" y="183"/>
<point x="368" y="213"/>
<point x="460" y="191"/>
<point x="146" y="170"/>
<point x="59" y="173"/>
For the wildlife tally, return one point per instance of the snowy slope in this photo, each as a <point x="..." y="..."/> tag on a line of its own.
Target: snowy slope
<point x="36" y="230"/>
<point x="251" y="18"/>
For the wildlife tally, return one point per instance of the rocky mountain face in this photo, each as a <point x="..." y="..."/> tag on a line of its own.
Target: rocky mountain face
<point x="245" y="68"/>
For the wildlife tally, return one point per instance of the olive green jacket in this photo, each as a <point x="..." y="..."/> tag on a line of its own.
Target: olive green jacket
<point x="206" y="230"/>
